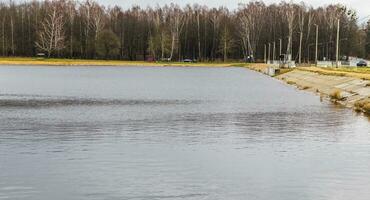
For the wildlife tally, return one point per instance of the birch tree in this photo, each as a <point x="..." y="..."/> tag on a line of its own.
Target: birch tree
<point x="290" y="14"/>
<point x="97" y="21"/>
<point x="251" y="18"/>
<point x="51" y="34"/>
<point x="176" y="23"/>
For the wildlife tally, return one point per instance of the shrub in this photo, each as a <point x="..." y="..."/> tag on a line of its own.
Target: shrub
<point x="291" y="82"/>
<point x="336" y="95"/>
<point x="366" y="107"/>
<point x="363" y="106"/>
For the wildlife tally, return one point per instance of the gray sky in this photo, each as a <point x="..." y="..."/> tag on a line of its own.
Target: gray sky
<point x="361" y="6"/>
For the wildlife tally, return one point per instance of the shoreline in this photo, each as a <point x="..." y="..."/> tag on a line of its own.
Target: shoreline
<point x="349" y="89"/>
<point x="24" y="61"/>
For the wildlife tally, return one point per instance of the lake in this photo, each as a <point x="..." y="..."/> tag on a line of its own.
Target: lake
<point x="174" y="133"/>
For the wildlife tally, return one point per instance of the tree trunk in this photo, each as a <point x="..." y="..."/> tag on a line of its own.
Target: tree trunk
<point x="12" y="35"/>
<point x="198" y="27"/>
<point x="172" y="46"/>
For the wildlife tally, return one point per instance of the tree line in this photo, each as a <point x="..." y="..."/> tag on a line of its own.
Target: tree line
<point x="89" y="30"/>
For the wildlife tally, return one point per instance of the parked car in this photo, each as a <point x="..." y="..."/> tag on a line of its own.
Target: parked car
<point x="188" y="60"/>
<point x="166" y="59"/>
<point x="362" y="63"/>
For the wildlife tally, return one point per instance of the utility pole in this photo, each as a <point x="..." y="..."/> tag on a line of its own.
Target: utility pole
<point x="317" y="40"/>
<point x="337" y="48"/>
<point x="268" y="57"/>
<point x="264" y="55"/>
<point x="300" y="47"/>
<point x="273" y="51"/>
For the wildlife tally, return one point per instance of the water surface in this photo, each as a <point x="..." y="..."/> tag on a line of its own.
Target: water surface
<point x="174" y="133"/>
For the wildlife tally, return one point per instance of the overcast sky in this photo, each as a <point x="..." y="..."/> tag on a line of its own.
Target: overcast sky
<point x="361" y="6"/>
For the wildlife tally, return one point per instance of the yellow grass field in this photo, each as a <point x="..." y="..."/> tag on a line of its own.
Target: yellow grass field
<point x="356" y="72"/>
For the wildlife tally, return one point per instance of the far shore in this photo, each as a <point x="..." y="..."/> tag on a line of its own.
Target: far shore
<point x="32" y="61"/>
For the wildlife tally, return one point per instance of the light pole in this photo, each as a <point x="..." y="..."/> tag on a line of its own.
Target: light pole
<point x="273" y="51"/>
<point x="337" y="47"/>
<point x="300" y="47"/>
<point x="317" y="40"/>
<point x="268" y="54"/>
<point x="264" y="55"/>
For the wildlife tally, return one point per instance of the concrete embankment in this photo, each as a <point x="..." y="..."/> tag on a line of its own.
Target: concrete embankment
<point x="350" y="91"/>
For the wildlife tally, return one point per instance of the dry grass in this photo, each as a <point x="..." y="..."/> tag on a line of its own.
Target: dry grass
<point x="336" y="95"/>
<point x="363" y="106"/>
<point x="83" y="62"/>
<point x="361" y="73"/>
<point x="291" y="82"/>
<point x="259" y="67"/>
<point x="283" y="71"/>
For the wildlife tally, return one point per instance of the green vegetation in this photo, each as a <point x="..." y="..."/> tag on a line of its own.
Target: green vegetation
<point x="107" y="45"/>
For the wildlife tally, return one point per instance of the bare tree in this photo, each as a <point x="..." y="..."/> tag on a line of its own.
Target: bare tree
<point x="310" y="19"/>
<point x="226" y="43"/>
<point x="290" y="14"/>
<point x="71" y="17"/>
<point x="3" y="32"/>
<point x="176" y="22"/>
<point x="12" y="34"/>
<point x="97" y="20"/>
<point x="251" y="18"/>
<point x="51" y="34"/>
<point x="173" y="31"/>
<point x="198" y="13"/>
<point x="301" y="23"/>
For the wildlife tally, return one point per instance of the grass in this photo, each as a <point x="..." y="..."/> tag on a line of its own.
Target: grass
<point x="283" y="71"/>
<point x="356" y="72"/>
<point x="291" y="82"/>
<point x="361" y="70"/>
<point x="86" y="62"/>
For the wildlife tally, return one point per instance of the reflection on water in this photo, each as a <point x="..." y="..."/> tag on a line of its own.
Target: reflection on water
<point x="39" y="102"/>
<point x="174" y="133"/>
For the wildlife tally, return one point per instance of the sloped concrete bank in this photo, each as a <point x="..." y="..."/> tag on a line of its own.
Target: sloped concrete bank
<point x="351" y="92"/>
